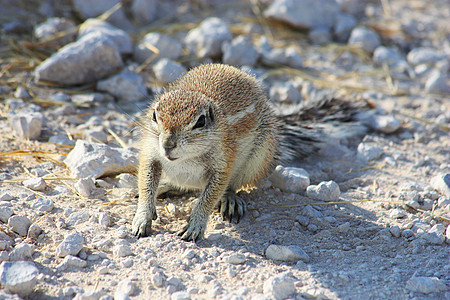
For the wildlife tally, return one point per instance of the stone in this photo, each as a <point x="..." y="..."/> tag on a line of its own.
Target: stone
<point x="286" y="253"/>
<point x="157" y="279"/>
<point x="104" y="219"/>
<point x="61" y="139"/>
<point x="167" y="47"/>
<point x="21" y="93"/>
<point x="441" y="183"/>
<point x="127" y="181"/>
<point x="180" y="296"/>
<point x="34" y="231"/>
<point x="290" y="179"/>
<point x="325" y="191"/>
<point x="344" y="228"/>
<point x="320" y="35"/>
<point x="167" y="71"/>
<point x="27" y="125"/>
<point x="77" y="217"/>
<point x="387" y="56"/>
<point x="5" y="213"/>
<point x="71" y="261"/>
<point x="279" y="287"/>
<point x="92" y="57"/>
<point x="85" y="186"/>
<point x="437" y="82"/>
<point x="144" y="11"/>
<point x="6" y="197"/>
<point x="119" y="37"/>
<point x="22" y="251"/>
<point x="18" y="277"/>
<point x="36" y="184"/>
<point x="43" y="205"/>
<point x="91" y="295"/>
<point x="127" y="287"/>
<point x="286" y="92"/>
<point x="122" y="251"/>
<point x="48" y="30"/>
<point x="96" y="160"/>
<point x="395" y="231"/>
<point x="366" y="38"/>
<point x="367" y="152"/>
<point x="279" y="56"/>
<point x="19" y="224"/>
<point x="240" y="51"/>
<point x="71" y="245"/>
<point x="206" y="40"/>
<point x="234" y="259"/>
<point x="384" y="123"/>
<point x="343" y="27"/>
<point x="88" y="9"/>
<point x="397" y="213"/>
<point x="96" y="134"/>
<point x="426" y="285"/>
<point x="424" y="55"/>
<point x="127" y="85"/>
<point x="304" y="14"/>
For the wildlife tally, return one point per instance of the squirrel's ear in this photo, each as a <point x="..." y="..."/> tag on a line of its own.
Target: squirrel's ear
<point x="211" y="114"/>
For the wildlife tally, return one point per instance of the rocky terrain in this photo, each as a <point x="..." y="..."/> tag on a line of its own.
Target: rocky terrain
<point x="366" y="218"/>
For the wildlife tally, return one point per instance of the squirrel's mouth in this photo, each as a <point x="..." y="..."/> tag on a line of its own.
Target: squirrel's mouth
<point x="171" y="158"/>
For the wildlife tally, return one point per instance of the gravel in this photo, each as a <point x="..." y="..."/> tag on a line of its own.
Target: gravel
<point x="290" y="179"/>
<point x="425" y="285"/>
<point x="27" y="125"/>
<point x="286" y="253"/>
<point x="365" y="38"/>
<point x="19" y="224"/>
<point x="71" y="245"/>
<point x="127" y="85"/>
<point x="441" y="183"/>
<point x="279" y="287"/>
<point x="240" y="51"/>
<point x="325" y="191"/>
<point x="167" y="47"/>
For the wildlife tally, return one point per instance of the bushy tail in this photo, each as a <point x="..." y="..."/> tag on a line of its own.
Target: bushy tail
<point x="314" y="125"/>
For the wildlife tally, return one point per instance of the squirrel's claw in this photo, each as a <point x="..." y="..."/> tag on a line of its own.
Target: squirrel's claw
<point x="142" y="223"/>
<point x="232" y="206"/>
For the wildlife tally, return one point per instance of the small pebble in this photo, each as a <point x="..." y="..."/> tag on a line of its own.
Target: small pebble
<point x="290" y="179"/>
<point x="18" y="277"/>
<point x="426" y="285"/>
<point x="167" y="70"/>
<point x="234" y="259"/>
<point x="5" y="213"/>
<point x="19" y="224"/>
<point x="397" y="213"/>
<point x="71" y="245"/>
<point x="122" y="251"/>
<point x="325" y="191"/>
<point x="36" y="184"/>
<point x="365" y="38"/>
<point x="43" y="205"/>
<point x="279" y="287"/>
<point x="286" y="253"/>
<point x="395" y="231"/>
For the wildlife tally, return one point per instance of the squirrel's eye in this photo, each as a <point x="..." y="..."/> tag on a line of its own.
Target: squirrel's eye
<point x="154" y="117"/>
<point x="200" y="122"/>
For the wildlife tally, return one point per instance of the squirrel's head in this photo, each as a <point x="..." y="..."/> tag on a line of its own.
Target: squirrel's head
<point x="184" y="122"/>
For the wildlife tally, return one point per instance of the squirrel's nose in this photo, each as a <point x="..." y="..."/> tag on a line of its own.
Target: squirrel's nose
<point x="169" y="144"/>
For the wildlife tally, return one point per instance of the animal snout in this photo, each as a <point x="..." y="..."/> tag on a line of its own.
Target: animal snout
<point x="169" y="144"/>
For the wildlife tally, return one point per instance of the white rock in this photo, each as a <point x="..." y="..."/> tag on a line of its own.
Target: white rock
<point x="22" y="251"/>
<point x="71" y="261"/>
<point x="43" y="204"/>
<point x="168" y="71"/>
<point x="279" y="287"/>
<point x="97" y="294"/>
<point x="127" y="287"/>
<point x="285" y="92"/>
<point x="6" y="197"/>
<point x="53" y="26"/>
<point x="441" y="183"/>
<point x="119" y="37"/>
<point x="90" y="58"/>
<point x="303" y="13"/>
<point x="344" y="228"/>
<point x="71" y="245"/>
<point x="180" y="296"/>
<point x="27" y="125"/>
<point x="96" y="134"/>
<point x="397" y="213"/>
<point x="122" y="251"/>
<point x="320" y="35"/>
<point x="21" y="93"/>
<point x="367" y="152"/>
<point x="157" y="279"/>
<point x="77" y="217"/>
<point x="206" y="40"/>
<point x="36" y="184"/>
<point x="19" y="224"/>
<point x="167" y="46"/>
<point x="290" y="179"/>
<point x="34" y="231"/>
<point x="127" y="85"/>
<point x="424" y="55"/>
<point x="395" y="231"/>
<point x="144" y="11"/>
<point x="104" y="219"/>
<point x="279" y="56"/>
<point x="5" y="213"/>
<point x="365" y="38"/>
<point x="325" y="191"/>
<point x="437" y="82"/>
<point x="18" y="277"/>
<point x="389" y="56"/>
<point x="286" y="253"/>
<point x="234" y="259"/>
<point x="97" y="160"/>
<point x="435" y="238"/>
<point x="426" y="285"/>
<point x="385" y="124"/>
<point x="127" y="181"/>
<point x="240" y="51"/>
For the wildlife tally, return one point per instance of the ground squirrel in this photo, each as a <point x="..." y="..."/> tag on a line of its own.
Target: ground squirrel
<point x="214" y="130"/>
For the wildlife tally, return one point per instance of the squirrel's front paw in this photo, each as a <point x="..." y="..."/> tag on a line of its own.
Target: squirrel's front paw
<point x="142" y="222"/>
<point x="194" y="230"/>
